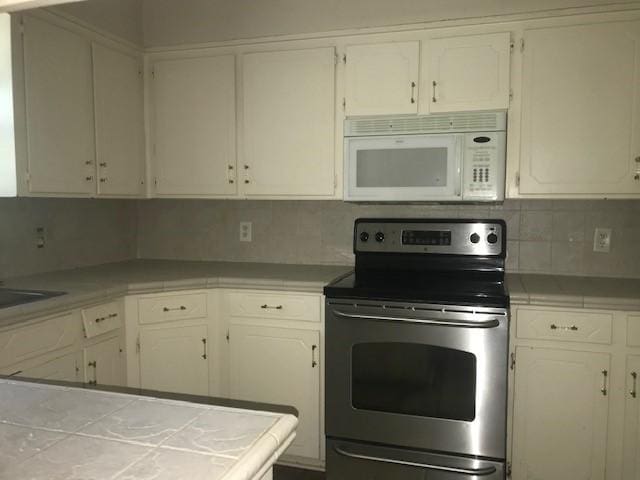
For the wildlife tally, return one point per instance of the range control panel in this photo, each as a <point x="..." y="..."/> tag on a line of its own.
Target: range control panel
<point x="453" y="237"/>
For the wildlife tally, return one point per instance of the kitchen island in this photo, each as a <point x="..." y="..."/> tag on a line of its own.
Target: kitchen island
<point x="53" y="431"/>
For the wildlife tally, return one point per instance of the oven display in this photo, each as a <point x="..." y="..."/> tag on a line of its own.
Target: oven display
<point x="426" y="237"/>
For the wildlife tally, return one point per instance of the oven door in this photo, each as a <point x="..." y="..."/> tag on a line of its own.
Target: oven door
<point x="403" y="168"/>
<point x="420" y="376"/>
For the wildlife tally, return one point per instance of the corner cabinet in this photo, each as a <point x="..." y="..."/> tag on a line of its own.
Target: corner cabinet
<point x="581" y="110"/>
<point x="288" y="123"/>
<point x="194" y="126"/>
<point x="119" y="120"/>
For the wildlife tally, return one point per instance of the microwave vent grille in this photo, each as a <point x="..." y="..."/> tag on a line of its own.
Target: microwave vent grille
<point x="439" y="123"/>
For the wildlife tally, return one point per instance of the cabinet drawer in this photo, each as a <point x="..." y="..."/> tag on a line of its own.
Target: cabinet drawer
<point x="101" y="319"/>
<point x="633" y="330"/>
<point x="172" y="307"/>
<point x="34" y="340"/>
<point x="565" y="325"/>
<point x="275" y="305"/>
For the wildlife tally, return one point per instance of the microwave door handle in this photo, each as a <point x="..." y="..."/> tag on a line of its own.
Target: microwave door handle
<point x="428" y="466"/>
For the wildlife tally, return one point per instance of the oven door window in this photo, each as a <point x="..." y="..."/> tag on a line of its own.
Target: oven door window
<point x="414" y="379"/>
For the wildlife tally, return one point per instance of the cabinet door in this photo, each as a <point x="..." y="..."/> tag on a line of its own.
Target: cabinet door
<point x="174" y="359"/>
<point x="289" y="122"/>
<point x="382" y="78"/>
<point x="580" y="111"/>
<point x="59" y="116"/>
<point x="560" y="414"/>
<point x="194" y="126"/>
<point x="119" y="122"/>
<point x="61" y="369"/>
<point x="276" y="365"/>
<point x="631" y="463"/>
<point x="103" y="363"/>
<point x="467" y="73"/>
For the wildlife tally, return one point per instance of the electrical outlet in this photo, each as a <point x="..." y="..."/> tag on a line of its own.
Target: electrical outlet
<point x="245" y="231"/>
<point x="602" y="240"/>
<point x="41" y="237"/>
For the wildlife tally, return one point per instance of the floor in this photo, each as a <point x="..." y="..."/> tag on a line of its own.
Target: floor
<point x="289" y="473"/>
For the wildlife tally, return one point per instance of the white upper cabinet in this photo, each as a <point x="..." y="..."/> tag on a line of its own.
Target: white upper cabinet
<point x="194" y="126"/>
<point x="288" y="120"/>
<point x="382" y="78"/>
<point x="119" y="107"/>
<point x="59" y="110"/>
<point x="466" y="73"/>
<point x="580" y="111"/>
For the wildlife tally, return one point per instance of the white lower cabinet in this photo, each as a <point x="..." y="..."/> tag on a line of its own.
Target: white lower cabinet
<point x="631" y="463"/>
<point x="279" y="366"/>
<point x="65" y="368"/>
<point x="560" y="414"/>
<point x="103" y="363"/>
<point x="174" y="358"/>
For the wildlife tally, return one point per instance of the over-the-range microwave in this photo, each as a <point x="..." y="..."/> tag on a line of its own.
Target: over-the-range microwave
<point x="427" y="158"/>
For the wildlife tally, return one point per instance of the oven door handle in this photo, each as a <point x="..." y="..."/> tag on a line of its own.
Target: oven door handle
<point x="444" y="323"/>
<point x="442" y="468"/>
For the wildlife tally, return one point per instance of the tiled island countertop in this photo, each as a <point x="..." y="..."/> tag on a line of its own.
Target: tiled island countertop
<point x="55" y="432"/>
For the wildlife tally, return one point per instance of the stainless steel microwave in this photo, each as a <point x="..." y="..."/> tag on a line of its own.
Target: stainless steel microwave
<point x="441" y="158"/>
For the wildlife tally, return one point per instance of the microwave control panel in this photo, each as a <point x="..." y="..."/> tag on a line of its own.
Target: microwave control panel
<point x="484" y="166"/>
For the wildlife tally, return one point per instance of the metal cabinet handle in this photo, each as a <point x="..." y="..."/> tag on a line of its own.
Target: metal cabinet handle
<point x="103" y="164"/>
<point x="88" y="162"/>
<point x="637" y="175"/>
<point x="277" y="307"/>
<point x="413" y="91"/>
<point x="167" y="309"/>
<point x="634" y="387"/>
<point x="88" y="178"/>
<point x="93" y="364"/>
<point x="428" y="466"/>
<point x="573" y="328"/>
<point x="103" y="180"/>
<point x="314" y="363"/>
<point x="204" y="347"/>
<point x="247" y="181"/>
<point x="102" y="319"/>
<point x="605" y="374"/>
<point x="434" y="84"/>
<point x="230" y="181"/>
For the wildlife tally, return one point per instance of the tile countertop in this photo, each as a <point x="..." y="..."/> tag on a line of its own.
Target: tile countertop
<point x="577" y="292"/>
<point x="56" y="432"/>
<point x="95" y="284"/>
<point x="102" y="282"/>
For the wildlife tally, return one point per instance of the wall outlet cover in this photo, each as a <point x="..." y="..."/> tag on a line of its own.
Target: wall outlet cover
<point x="245" y="231"/>
<point x="602" y="240"/>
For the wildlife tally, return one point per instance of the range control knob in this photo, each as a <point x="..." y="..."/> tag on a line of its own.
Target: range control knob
<point x="379" y="237"/>
<point x="492" y="238"/>
<point x="364" y="237"/>
<point x="475" y="238"/>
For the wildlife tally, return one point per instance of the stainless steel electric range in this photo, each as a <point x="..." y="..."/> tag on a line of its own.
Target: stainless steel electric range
<point x="417" y="353"/>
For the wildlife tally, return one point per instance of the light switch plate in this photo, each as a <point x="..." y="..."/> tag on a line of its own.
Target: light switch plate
<point x="602" y="240"/>
<point x="245" y="231"/>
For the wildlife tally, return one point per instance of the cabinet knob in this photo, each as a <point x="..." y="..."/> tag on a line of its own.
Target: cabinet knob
<point x="246" y="167"/>
<point x="246" y="181"/>
<point x="230" y="181"/>
<point x="230" y="167"/>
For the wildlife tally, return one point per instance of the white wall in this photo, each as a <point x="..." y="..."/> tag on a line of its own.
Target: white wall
<point x="122" y="18"/>
<point x="7" y="144"/>
<point x="174" y="22"/>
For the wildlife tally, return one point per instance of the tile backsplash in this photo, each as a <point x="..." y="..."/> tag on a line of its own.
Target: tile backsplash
<point x="77" y="232"/>
<point x="543" y="236"/>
